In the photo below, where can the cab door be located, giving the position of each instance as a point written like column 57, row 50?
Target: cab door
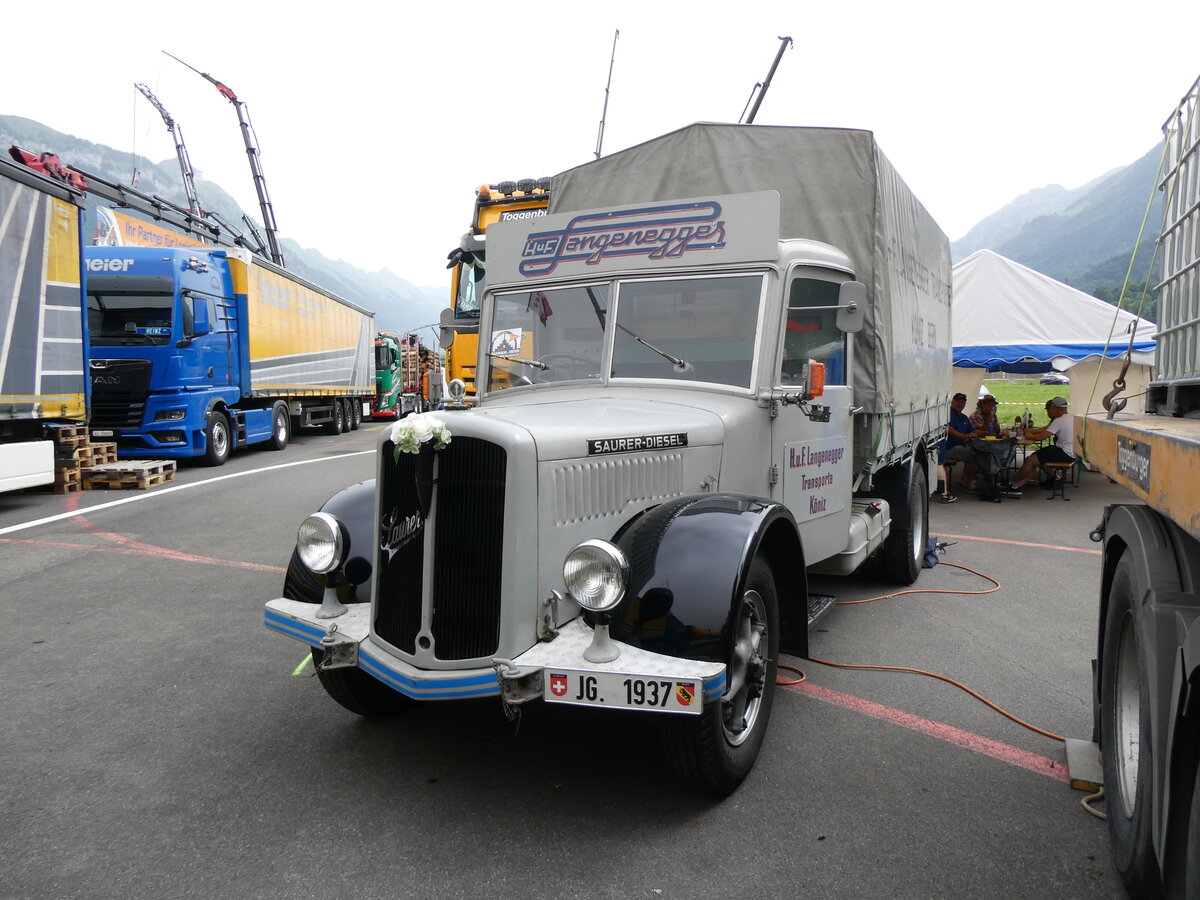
column 814, row 459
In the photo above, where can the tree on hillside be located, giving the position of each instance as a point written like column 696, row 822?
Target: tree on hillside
column 1134, row 302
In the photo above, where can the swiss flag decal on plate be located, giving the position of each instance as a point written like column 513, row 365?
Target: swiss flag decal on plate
column 558, row 685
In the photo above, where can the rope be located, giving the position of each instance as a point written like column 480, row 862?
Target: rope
column 1086, row 802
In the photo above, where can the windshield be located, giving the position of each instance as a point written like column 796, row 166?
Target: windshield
column 129, row 318
column 471, row 282
column 688, row 329
column 547, row 336
column 383, row 356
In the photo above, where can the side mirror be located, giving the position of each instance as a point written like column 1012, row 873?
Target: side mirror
column 446, row 330
column 852, row 307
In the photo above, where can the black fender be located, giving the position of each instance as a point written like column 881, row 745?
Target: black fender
column 689, row 560
column 354, row 507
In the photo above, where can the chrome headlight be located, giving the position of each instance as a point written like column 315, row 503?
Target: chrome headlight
column 321, row 542
column 595, row 573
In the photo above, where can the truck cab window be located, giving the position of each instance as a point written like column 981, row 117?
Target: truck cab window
column 813, row 333
column 708, row 324
column 538, row 337
column 471, row 282
column 118, row 319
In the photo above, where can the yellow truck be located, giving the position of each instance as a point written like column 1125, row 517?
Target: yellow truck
column 506, row 201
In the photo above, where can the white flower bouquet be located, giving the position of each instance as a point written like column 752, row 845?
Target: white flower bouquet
column 412, row 433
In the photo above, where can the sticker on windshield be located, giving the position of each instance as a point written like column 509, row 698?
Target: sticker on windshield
column 506, row 342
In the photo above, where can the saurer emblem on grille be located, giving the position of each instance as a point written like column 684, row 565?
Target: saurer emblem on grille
column 397, row 530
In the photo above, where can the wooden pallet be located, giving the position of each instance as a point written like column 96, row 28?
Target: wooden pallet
column 66, row 435
column 129, row 475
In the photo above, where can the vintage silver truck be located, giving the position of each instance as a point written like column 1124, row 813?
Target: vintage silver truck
column 627, row 517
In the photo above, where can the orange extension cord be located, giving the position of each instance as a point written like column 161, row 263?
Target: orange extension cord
column 959, row 685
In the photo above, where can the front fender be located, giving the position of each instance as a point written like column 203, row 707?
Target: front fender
column 354, row 507
column 689, row 561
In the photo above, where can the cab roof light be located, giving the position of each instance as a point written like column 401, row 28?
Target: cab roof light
column 507, row 188
column 543, row 183
column 526, row 185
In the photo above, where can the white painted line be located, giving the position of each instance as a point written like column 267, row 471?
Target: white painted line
column 88, row 510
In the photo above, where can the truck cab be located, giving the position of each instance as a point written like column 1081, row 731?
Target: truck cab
column 161, row 351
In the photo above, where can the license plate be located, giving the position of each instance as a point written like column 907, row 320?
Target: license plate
column 102, row 434
column 618, row 691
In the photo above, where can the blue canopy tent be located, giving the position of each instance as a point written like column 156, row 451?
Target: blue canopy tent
column 1007, row 317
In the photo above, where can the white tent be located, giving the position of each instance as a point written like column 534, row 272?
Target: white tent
column 1007, row 316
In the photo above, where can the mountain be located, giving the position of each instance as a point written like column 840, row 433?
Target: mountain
column 398, row 305
column 1088, row 240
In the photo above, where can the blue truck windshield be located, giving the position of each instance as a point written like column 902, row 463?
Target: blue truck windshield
column 129, row 319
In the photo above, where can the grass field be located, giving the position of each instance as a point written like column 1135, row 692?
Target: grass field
column 1024, row 392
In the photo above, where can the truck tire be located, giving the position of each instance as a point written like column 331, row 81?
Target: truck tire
column 338, row 423
column 1125, row 738
column 359, row 692
column 904, row 550
column 281, row 427
column 714, row 751
column 1191, row 877
column 216, row 439
column 355, row 413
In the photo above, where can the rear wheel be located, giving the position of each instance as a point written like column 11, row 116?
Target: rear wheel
column 355, row 413
column 904, row 550
column 338, row 423
column 716, row 750
column 281, row 427
column 1125, row 739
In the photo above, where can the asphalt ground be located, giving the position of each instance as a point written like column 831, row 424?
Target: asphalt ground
column 157, row 743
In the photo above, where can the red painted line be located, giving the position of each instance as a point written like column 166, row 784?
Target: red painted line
column 967, row 537
column 144, row 550
column 1015, row 756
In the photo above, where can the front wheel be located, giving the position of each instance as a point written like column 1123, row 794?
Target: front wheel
column 1125, row 739
column 1191, row 878
column 716, row 750
column 359, row 692
column 216, row 439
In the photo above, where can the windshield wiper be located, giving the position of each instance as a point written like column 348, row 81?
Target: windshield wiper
column 682, row 364
column 524, row 362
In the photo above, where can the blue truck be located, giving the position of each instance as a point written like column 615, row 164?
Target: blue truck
column 198, row 350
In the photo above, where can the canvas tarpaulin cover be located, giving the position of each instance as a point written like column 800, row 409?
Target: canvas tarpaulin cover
column 835, row 187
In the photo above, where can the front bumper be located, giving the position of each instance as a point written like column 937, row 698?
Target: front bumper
column 347, row 641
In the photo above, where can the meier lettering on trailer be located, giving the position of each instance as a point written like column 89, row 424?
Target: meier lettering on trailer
column 598, row 446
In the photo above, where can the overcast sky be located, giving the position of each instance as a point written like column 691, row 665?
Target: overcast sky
column 376, row 120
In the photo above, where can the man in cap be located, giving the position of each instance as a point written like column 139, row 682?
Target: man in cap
column 984, row 418
column 1062, row 428
column 954, row 448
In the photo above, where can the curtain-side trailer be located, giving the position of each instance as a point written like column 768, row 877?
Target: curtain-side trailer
column 42, row 340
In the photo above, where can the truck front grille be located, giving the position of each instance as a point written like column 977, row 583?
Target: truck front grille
column 119, row 391
column 462, row 605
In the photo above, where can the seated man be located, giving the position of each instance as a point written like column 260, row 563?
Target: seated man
column 954, row 448
column 1062, row 428
column 984, row 419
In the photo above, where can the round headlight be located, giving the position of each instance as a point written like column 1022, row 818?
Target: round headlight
column 595, row 573
column 321, row 542
column 457, row 389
